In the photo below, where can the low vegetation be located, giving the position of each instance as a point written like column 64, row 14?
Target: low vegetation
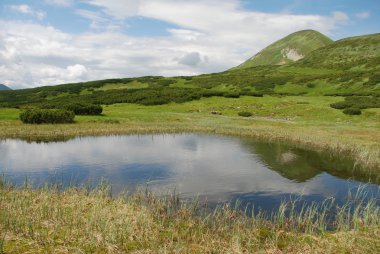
column 78, row 108
column 51, row 220
column 53, row 116
column 359, row 102
column 352, row 111
column 293, row 103
column 245, row 113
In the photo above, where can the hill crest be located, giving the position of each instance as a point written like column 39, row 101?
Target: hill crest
column 289, row 49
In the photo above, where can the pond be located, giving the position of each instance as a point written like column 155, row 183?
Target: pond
column 207, row 167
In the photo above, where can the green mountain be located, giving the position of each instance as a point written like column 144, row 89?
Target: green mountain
column 4, row 87
column 289, row 49
column 359, row 53
column 346, row 67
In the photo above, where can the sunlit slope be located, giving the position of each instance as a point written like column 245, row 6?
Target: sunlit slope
column 289, row 49
column 360, row 53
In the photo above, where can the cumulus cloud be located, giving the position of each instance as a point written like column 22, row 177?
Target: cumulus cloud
column 76, row 71
column 210, row 36
column 363, row 15
column 190, row 59
column 26, row 9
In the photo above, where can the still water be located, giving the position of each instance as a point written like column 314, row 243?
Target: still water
column 208, row 167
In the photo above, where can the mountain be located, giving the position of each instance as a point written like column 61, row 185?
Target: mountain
column 289, row 49
column 359, row 53
column 4, row 87
column 346, row 67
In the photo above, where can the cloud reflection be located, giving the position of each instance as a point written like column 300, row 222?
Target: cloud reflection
column 216, row 167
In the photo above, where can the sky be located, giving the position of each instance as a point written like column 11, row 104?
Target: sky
column 49, row 42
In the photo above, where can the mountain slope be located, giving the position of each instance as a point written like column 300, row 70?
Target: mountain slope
column 355, row 53
column 347, row 67
column 289, row 49
column 4, row 87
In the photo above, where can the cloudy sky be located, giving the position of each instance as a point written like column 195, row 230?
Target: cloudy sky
column 49, row 42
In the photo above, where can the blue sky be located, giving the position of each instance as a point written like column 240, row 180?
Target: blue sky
column 49, row 42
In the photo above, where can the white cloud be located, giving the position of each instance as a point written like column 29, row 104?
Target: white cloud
column 363, row 15
column 76, row 71
column 210, row 36
column 118, row 9
column 190, row 59
column 26, row 9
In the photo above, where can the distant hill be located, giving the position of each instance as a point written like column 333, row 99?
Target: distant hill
column 359, row 53
column 289, row 49
column 346, row 67
column 4, row 87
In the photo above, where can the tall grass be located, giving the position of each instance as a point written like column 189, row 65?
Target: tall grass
column 52, row 220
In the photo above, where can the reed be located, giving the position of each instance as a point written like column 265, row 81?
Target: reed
column 55, row 220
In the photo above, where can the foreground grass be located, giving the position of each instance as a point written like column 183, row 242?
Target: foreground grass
column 82, row 221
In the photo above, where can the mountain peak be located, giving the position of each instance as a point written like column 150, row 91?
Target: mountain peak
column 4, row 87
column 288, row 49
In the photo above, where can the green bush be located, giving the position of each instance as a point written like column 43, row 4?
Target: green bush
column 38, row 116
column 231, row 94
column 84, row 108
column 352, row 111
column 254, row 94
column 245, row 114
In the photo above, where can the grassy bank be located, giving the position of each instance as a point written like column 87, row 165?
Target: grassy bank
column 305, row 121
column 82, row 221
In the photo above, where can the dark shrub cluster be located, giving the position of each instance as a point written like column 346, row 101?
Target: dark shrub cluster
column 352, row 111
column 245, row 114
column 84, row 108
column 231, row 94
column 360, row 102
column 39, row 116
column 254, row 94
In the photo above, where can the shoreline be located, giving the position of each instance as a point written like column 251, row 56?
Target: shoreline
column 366, row 155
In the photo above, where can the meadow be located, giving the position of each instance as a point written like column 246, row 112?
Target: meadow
column 301, row 103
column 307, row 121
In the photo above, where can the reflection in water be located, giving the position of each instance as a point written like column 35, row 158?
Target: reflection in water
column 216, row 168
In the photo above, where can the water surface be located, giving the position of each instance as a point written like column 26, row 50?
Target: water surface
column 213, row 168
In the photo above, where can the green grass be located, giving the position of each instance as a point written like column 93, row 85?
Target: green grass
column 78, row 220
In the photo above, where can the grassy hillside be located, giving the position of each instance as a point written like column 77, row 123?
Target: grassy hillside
column 346, row 67
column 4, row 87
column 289, row 49
column 360, row 53
column 289, row 103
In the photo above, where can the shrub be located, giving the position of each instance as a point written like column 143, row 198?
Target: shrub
column 231, row 94
column 84, row 108
column 245, row 114
column 352, row 111
column 38, row 116
column 254, row 94
column 341, row 105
